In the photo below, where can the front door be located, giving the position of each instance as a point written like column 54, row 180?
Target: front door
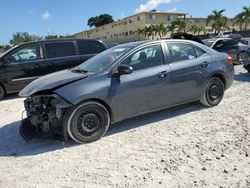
column 148, row 87
column 25, row 64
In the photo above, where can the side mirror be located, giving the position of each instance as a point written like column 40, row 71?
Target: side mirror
column 124, row 69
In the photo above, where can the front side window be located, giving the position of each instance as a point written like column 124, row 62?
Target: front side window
column 181, row 52
column 60, row 49
column 25, row 54
column 146, row 58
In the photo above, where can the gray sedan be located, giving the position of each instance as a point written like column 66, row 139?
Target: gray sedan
column 123, row 82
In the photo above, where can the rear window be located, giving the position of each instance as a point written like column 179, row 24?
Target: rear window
column 60, row 49
column 90, row 47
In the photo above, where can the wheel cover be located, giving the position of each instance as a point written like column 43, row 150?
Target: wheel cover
column 88, row 123
column 214, row 92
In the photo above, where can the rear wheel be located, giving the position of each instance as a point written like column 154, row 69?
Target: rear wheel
column 213, row 93
column 242, row 57
column 88, row 122
column 2, row 92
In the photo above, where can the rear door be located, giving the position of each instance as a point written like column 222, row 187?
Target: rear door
column 60, row 55
column 189, row 67
column 25, row 64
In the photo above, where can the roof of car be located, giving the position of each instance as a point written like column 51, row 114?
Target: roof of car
column 139, row 43
column 59, row 40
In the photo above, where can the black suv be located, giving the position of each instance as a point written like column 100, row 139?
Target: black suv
column 26, row 62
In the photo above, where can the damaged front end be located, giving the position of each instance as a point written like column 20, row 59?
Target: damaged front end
column 44, row 113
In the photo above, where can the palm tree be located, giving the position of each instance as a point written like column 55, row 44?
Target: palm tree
column 193, row 29
column 201, row 28
column 141, row 32
column 219, row 21
column 180, row 24
column 243, row 17
column 170, row 28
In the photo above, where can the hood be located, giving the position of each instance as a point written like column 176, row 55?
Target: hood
column 186, row 36
column 51, row 81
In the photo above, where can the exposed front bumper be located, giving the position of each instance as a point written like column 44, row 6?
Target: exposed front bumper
column 44, row 113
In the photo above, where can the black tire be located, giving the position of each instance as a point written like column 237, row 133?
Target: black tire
column 88, row 122
column 213, row 93
column 2, row 92
column 242, row 57
column 248, row 68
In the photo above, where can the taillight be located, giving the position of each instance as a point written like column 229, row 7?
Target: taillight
column 229, row 60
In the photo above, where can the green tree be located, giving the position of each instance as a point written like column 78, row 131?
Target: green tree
column 21, row 37
column 100, row 20
column 141, row 32
column 193, row 29
column 243, row 18
column 219, row 22
column 179, row 24
column 170, row 28
column 49, row 37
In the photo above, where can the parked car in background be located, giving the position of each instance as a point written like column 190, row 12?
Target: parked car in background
column 26, row 62
column 123, row 82
column 237, row 50
column 229, row 44
column 246, row 41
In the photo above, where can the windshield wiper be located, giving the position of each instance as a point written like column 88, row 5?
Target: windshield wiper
column 79, row 71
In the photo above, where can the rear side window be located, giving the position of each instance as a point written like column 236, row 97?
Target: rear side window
column 90, row 47
column 181, row 52
column 60, row 49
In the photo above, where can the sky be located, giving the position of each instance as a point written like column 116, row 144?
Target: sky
column 43, row 17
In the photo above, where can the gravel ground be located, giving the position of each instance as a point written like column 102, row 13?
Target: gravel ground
column 187, row 146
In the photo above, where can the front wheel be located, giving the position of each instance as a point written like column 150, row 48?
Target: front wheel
column 213, row 93
column 88, row 122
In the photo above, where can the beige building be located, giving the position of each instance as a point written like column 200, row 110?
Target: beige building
column 124, row 30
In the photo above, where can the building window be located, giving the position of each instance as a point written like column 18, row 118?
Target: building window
column 169, row 18
column 126, row 33
column 130, row 21
column 131, row 32
column 125, row 23
column 152, row 17
column 139, row 18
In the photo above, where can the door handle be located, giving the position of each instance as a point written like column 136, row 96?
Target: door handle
column 205, row 64
column 163, row 74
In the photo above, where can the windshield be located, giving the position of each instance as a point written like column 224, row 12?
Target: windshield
column 102, row 60
column 208, row 43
